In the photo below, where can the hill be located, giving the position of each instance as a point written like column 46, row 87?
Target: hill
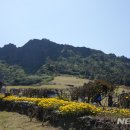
column 35, row 52
column 15, row 75
column 46, row 57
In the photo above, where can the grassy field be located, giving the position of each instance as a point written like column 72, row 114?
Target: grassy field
column 59, row 82
column 62, row 82
column 69, row 80
column 39, row 87
column 122, row 88
column 15, row 121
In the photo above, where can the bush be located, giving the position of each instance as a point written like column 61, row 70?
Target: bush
column 33, row 79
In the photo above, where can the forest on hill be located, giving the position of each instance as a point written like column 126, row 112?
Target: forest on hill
column 39, row 60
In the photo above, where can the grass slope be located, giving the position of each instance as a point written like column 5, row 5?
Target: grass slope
column 15, row 121
column 59, row 82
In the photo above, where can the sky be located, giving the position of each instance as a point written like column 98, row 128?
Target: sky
column 97, row 24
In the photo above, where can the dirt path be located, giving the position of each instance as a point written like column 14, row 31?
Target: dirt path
column 15, row 121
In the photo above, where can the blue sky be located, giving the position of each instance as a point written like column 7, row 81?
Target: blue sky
column 97, row 24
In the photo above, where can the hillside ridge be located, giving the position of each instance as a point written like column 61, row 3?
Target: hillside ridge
column 47, row 57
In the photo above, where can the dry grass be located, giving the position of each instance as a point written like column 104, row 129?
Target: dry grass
column 69, row 80
column 119, row 89
column 39, row 87
column 59, row 82
column 14, row 121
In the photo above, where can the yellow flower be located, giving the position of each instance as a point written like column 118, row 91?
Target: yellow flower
column 67, row 107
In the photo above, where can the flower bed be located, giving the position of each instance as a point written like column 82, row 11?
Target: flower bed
column 63, row 107
column 56, row 111
column 66, row 107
